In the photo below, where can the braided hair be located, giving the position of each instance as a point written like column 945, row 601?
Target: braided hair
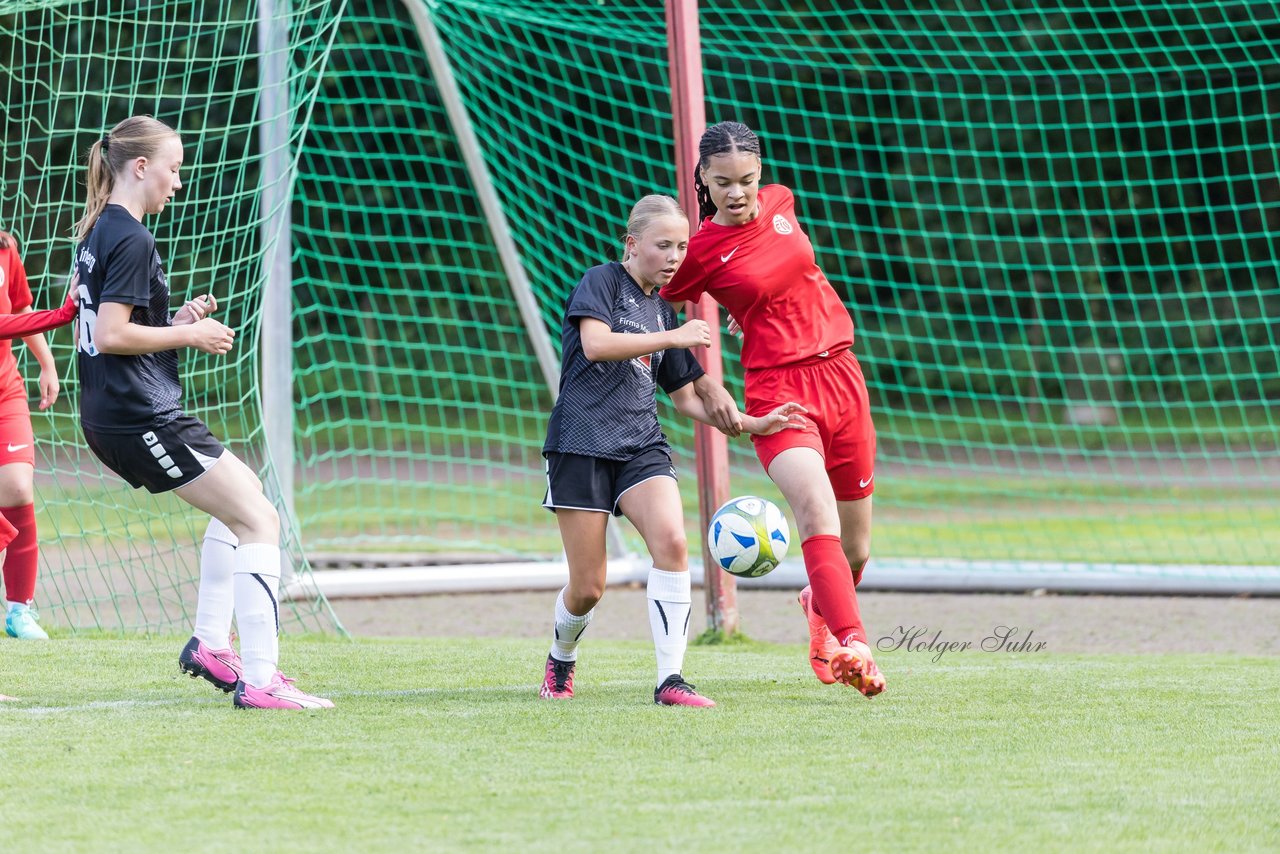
column 721, row 138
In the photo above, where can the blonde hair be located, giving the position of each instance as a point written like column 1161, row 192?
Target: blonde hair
column 645, row 211
column 136, row 136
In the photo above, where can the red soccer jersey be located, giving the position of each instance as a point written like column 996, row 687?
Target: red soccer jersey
column 765, row 274
column 15, row 295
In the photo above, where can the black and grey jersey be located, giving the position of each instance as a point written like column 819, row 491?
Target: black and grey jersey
column 118, row 262
column 608, row 409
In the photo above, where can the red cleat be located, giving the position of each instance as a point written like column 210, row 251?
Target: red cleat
column 557, row 681
column 822, row 644
column 853, row 666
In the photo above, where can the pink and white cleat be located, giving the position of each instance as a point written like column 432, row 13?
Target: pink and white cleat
column 222, row 667
column 674, row 691
column 278, row 694
column 557, row 680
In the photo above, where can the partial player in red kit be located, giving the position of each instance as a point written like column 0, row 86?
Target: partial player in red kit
column 17, row 441
column 752, row 256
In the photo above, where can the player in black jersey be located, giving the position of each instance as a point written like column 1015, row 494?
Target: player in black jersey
column 606, row 453
column 131, row 411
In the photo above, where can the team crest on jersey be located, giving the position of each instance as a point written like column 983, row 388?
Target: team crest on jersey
column 781, row 225
column 643, row 364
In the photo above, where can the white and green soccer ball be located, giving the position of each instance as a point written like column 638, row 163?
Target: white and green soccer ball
column 748, row 536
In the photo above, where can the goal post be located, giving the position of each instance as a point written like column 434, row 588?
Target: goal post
column 688, row 114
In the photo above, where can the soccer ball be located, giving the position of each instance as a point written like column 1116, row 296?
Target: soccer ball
column 748, row 536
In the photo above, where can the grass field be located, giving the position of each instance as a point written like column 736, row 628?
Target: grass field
column 443, row 744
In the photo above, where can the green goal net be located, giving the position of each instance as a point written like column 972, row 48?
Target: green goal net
column 1054, row 223
column 420, row 402
column 111, row 558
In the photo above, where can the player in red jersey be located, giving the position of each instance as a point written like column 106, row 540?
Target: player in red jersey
column 752, row 256
column 17, row 440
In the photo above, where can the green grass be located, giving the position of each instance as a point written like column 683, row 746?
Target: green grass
column 443, row 745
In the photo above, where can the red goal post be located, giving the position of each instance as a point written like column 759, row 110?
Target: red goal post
column 688, row 112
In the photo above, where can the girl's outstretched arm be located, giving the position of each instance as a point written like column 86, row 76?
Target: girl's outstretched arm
column 33, row 322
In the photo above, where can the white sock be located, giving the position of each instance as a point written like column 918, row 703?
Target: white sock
column 670, row 605
column 568, row 630
column 216, row 601
column 257, row 586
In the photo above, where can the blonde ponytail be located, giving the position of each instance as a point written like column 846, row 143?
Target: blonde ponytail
column 136, row 136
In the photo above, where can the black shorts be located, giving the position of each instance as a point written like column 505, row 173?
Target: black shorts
column 592, row 483
column 160, row 459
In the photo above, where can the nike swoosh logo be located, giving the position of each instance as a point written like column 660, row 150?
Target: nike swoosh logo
column 13, row 448
column 824, row 354
column 862, row 484
column 725, row 258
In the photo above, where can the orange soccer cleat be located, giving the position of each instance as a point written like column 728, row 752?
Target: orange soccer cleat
column 822, row 644
column 852, row 665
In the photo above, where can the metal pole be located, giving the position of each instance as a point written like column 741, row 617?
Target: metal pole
column 688, row 111
column 277, row 291
column 469, row 146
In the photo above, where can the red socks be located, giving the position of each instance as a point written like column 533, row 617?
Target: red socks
column 831, row 578
column 22, row 554
column 7, row 532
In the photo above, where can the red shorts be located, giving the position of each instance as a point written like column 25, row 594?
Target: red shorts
column 838, row 424
column 17, row 442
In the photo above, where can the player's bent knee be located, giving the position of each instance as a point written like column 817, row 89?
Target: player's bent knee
column 255, row 521
column 815, row 514
column 269, row 522
column 671, row 552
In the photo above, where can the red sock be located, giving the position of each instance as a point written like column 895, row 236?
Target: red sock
column 7, row 533
column 22, row 555
column 832, row 583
